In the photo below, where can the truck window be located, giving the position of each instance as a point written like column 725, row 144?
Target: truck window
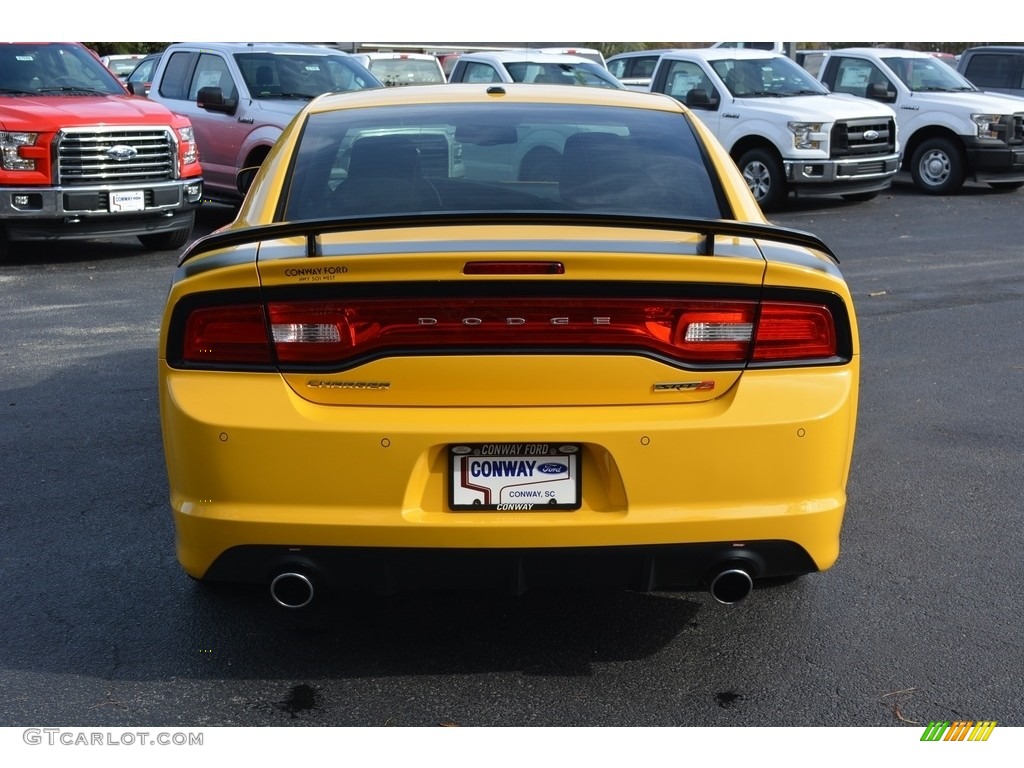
column 685, row 76
column 644, row 67
column 174, row 82
column 480, row 73
column 993, row 71
column 212, row 72
column 853, row 76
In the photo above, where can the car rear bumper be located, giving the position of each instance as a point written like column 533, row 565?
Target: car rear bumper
column 766, row 461
column 387, row 570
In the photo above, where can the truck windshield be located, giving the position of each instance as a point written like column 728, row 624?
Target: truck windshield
column 927, row 74
column 53, row 68
column 772, row 76
column 301, row 75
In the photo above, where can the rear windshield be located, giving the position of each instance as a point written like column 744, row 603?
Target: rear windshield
column 520, row 158
column 406, row 71
column 123, row 67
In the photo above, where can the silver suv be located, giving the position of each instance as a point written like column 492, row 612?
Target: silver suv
column 240, row 96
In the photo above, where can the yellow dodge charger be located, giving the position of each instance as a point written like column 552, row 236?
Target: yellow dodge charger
column 504, row 336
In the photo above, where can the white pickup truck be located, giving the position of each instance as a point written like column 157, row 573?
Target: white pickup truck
column 785, row 131
column 949, row 129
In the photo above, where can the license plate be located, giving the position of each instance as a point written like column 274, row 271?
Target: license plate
column 133, row 200
column 514, row 477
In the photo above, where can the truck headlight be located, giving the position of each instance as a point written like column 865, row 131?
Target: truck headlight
column 188, row 142
column 806, row 135
column 10, row 143
column 992, row 126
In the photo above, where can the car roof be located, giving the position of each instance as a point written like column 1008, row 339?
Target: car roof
column 997, row 48
column 261, row 48
column 719, row 54
column 885, row 52
column 523, row 54
column 567, row 49
column 485, row 93
column 122, row 57
column 395, row 55
column 646, row 52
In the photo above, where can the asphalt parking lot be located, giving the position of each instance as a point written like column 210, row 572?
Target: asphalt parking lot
column 918, row 621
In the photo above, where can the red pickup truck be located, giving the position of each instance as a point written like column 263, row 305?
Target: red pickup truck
column 81, row 158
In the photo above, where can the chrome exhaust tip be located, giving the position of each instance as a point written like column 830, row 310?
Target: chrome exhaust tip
column 731, row 585
column 291, row 590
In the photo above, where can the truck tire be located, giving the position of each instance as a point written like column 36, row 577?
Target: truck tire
column 763, row 174
column 937, row 167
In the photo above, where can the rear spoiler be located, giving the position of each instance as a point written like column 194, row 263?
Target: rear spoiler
column 311, row 229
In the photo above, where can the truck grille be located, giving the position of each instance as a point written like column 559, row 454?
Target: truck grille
column 1015, row 128
column 85, row 156
column 866, row 168
column 871, row 136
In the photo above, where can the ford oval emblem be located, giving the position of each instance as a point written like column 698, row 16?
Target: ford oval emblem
column 551, row 468
column 871, row 135
column 122, row 152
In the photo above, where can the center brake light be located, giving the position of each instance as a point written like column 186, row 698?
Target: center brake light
column 340, row 333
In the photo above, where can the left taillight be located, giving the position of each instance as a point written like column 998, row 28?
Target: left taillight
column 226, row 335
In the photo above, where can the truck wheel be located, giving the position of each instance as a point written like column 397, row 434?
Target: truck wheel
column 763, row 174
column 166, row 241
column 937, row 167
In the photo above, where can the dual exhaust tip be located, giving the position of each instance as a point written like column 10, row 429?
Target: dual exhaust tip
column 729, row 585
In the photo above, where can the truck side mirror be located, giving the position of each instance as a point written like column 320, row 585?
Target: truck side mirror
column 881, row 92
column 697, row 98
column 212, row 98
